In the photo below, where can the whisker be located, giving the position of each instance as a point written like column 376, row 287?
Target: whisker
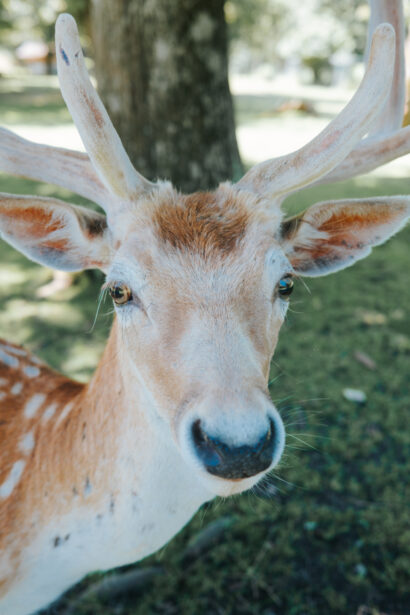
column 303, row 442
column 303, row 281
column 282, row 480
column 101, row 298
column 278, row 401
column 313, row 435
column 274, row 379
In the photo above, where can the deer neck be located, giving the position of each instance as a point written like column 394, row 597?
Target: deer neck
column 106, row 474
column 134, row 446
column 104, row 482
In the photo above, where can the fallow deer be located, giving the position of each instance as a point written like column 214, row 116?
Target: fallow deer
column 101, row 475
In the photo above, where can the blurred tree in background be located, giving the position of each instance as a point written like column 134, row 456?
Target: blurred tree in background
column 162, row 67
column 162, row 71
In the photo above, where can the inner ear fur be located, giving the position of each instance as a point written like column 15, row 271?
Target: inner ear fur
column 55, row 233
column 330, row 236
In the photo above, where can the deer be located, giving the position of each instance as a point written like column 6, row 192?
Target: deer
column 99, row 475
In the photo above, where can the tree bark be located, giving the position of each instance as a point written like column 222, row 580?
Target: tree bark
column 162, row 72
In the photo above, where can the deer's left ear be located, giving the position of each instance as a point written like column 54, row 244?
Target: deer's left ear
column 55, row 233
column 331, row 236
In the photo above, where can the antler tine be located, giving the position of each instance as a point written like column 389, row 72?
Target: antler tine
column 288, row 173
column 54, row 165
column 370, row 154
column 391, row 117
column 99, row 136
column 385, row 141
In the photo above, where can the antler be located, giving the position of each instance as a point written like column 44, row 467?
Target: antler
column 99, row 136
column 63, row 167
column 391, row 117
column 385, row 140
column 288, row 173
column 106, row 171
column 370, row 154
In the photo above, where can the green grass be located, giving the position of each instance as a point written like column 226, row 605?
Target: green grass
column 32, row 100
column 329, row 533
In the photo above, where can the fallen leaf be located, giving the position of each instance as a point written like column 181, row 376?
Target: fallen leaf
column 398, row 314
column 372, row 318
column 355, row 395
column 400, row 342
column 364, row 359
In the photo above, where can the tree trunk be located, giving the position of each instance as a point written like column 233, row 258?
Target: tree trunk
column 162, row 72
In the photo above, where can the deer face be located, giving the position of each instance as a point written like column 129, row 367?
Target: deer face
column 201, row 277
column 200, row 281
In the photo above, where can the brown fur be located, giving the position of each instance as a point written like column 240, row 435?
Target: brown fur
column 61, row 465
column 345, row 232
column 33, row 221
column 202, row 225
column 350, row 221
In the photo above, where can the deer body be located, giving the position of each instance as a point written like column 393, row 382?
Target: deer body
column 101, row 475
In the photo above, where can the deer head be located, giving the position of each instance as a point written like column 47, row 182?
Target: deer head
column 200, row 282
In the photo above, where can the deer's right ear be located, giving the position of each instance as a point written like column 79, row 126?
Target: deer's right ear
column 330, row 236
column 55, row 233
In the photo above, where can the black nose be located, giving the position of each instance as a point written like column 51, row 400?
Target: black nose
column 233, row 462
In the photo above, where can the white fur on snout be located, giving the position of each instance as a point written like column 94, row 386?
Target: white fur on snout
column 244, row 435
column 235, row 419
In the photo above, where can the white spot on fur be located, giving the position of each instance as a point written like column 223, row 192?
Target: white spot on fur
column 18, row 351
column 33, row 405
column 2, row 395
column 13, row 478
column 16, row 388
column 49, row 412
column 65, row 412
column 31, row 371
column 8, row 360
column 27, row 443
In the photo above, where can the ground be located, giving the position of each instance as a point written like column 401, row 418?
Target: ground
column 328, row 533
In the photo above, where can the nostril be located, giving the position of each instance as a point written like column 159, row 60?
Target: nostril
column 234, row 462
column 205, row 446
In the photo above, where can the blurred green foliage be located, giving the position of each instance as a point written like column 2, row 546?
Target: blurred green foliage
column 261, row 31
column 35, row 19
column 4, row 17
column 275, row 31
column 270, row 30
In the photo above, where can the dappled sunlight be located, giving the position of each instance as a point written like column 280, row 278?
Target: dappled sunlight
column 52, row 313
column 263, row 131
column 81, row 358
column 12, row 275
column 58, row 329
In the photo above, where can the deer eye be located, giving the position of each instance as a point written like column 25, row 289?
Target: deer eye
column 120, row 293
column 285, row 287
